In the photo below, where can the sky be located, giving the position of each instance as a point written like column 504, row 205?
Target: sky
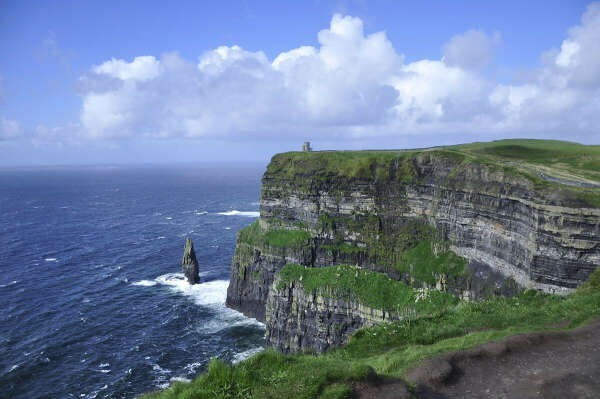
column 97, row 82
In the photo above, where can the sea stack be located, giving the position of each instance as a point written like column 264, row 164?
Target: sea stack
column 189, row 264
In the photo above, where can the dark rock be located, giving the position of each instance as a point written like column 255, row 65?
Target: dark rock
column 189, row 264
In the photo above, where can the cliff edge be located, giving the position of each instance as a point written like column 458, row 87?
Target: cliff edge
column 468, row 222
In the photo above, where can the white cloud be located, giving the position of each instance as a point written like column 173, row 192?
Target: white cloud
column 564, row 95
column 352, row 85
column 141, row 68
column 471, row 50
column 9, row 129
column 430, row 90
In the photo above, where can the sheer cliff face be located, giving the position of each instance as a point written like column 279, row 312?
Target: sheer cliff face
column 298, row 320
column 514, row 230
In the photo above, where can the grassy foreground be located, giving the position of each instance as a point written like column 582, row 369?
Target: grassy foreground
column 389, row 349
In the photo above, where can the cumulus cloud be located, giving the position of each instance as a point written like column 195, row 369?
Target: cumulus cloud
column 141, row 68
column 471, row 50
column 353, row 85
column 564, row 95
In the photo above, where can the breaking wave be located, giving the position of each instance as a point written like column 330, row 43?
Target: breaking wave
column 252, row 214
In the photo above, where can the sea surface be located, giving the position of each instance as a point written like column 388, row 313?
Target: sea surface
column 92, row 300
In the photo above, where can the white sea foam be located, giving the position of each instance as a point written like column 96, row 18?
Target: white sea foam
column 169, row 218
column 201, row 213
column 180, row 379
column 191, row 367
column 211, row 294
column 104, row 365
column 234, row 212
column 50, row 259
column 227, row 228
column 246, row 354
column 8, row 284
column 159, row 369
column 104, row 371
column 145, row 283
column 160, row 237
column 14, row 367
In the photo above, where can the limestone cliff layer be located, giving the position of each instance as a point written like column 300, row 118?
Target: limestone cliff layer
column 380, row 211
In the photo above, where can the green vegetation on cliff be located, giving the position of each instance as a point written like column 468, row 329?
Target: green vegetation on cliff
column 572, row 168
column 422, row 263
column 564, row 156
column 411, row 247
column 283, row 238
column 366, row 287
column 390, row 349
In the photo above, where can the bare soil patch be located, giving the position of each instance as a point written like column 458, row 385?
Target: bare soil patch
column 536, row 365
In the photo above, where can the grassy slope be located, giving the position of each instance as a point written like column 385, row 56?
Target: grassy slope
column 389, row 349
column 562, row 156
column 524, row 158
column 580, row 160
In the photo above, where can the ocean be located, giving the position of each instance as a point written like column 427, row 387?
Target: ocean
column 94, row 304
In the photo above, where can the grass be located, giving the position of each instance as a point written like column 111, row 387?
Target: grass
column 287, row 238
column 369, row 288
column 271, row 375
column 406, row 247
column 520, row 159
column 379, row 165
column 582, row 160
column 424, row 265
column 282, row 238
column 389, row 349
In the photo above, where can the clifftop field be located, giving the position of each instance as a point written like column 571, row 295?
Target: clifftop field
column 365, row 263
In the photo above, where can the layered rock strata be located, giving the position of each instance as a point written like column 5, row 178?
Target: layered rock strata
column 299, row 321
column 514, row 231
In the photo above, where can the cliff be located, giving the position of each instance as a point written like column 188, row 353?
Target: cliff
column 472, row 221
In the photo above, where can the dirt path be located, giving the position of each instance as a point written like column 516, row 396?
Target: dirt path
column 536, row 365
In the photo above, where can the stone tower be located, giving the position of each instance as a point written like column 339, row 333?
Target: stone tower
column 306, row 147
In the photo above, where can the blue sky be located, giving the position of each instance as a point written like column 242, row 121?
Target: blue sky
column 106, row 82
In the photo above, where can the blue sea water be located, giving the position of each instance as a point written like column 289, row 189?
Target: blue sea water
column 93, row 304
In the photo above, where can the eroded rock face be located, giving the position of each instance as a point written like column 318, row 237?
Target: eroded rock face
column 514, row 234
column 189, row 264
column 298, row 321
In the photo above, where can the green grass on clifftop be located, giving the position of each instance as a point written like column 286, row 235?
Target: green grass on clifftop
column 561, row 155
column 353, row 164
column 521, row 159
column 390, row 349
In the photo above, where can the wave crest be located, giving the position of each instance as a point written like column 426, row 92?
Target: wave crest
column 252, row 214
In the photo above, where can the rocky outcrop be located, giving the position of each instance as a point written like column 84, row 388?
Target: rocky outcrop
column 298, row 320
column 189, row 264
column 255, row 268
column 513, row 230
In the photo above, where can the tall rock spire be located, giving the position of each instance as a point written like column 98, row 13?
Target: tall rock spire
column 189, row 264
